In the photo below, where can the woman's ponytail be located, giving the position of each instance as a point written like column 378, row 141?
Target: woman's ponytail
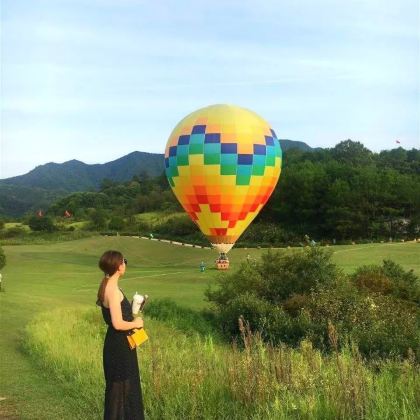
column 109, row 264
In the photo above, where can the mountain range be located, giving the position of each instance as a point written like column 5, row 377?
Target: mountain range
column 40, row 187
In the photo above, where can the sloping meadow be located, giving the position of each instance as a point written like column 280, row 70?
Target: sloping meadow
column 191, row 376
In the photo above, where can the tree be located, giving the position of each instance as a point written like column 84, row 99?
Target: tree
column 116, row 223
column 352, row 152
column 42, row 224
column 98, row 219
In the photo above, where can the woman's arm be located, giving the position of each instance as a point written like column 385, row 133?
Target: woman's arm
column 116, row 316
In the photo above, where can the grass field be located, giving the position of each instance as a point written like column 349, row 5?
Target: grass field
column 41, row 278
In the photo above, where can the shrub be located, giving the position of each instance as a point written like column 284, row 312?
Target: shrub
column 13, row 232
column 98, row 219
column 291, row 297
column 179, row 226
column 372, row 279
column 41, row 224
column 116, row 223
column 390, row 278
column 295, row 304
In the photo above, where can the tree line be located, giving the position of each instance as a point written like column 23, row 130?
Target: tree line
column 344, row 193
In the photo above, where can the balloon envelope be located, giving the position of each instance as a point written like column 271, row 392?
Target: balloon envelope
column 223, row 163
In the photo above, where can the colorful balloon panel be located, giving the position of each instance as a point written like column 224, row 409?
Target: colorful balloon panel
column 223, row 163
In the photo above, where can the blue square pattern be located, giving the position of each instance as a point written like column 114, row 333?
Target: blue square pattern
column 259, row 149
column 245, row 159
column 184, row 139
column 269, row 141
column 199, row 129
column 273, row 133
column 166, row 162
column 172, row 151
column 212, row 138
column 229, row 148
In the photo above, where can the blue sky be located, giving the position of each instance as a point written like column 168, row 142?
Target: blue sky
column 96, row 79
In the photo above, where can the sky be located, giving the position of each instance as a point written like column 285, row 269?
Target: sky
column 94, row 80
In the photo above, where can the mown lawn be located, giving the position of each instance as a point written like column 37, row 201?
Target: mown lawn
column 40, row 278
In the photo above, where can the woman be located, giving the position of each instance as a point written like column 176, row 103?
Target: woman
column 123, row 398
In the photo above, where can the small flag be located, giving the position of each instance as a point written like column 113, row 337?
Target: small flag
column 397, row 141
column 40, row 213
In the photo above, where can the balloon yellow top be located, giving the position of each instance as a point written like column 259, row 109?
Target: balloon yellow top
column 223, row 163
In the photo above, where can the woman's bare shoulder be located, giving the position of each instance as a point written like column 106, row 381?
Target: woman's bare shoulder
column 110, row 292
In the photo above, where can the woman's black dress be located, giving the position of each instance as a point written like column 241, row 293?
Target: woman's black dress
column 123, row 398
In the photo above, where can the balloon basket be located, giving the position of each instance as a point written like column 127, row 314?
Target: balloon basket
column 222, row 264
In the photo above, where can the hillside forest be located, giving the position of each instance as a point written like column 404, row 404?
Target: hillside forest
column 340, row 194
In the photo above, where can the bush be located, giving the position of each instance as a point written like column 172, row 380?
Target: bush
column 372, row 279
column 98, row 219
column 181, row 318
column 178, row 226
column 41, row 224
column 13, row 232
column 116, row 223
column 390, row 278
column 291, row 297
column 278, row 276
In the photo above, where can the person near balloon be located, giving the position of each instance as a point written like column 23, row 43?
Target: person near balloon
column 123, row 395
column 202, row 267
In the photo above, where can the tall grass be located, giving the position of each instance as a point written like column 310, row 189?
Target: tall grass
column 193, row 377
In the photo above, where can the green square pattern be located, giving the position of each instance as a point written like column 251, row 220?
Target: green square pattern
column 243, row 179
column 196, row 149
column 212, row 159
column 270, row 160
column 258, row 170
column 182, row 160
column 228, row 169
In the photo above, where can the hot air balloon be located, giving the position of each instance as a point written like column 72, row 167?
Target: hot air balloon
column 223, row 163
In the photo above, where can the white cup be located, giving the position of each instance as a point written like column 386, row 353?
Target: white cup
column 137, row 303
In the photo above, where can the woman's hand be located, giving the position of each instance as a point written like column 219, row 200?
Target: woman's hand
column 138, row 323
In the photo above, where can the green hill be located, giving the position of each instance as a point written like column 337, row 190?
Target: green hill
column 43, row 185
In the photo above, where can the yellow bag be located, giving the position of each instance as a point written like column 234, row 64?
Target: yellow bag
column 136, row 337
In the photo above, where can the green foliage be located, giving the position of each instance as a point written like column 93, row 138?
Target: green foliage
column 348, row 193
column 178, row 226
column 12, row 232
column 291, row 297
column 380, row 325
column 1, row 224
column 187, row 376
column 390, row 278
column 42, row 224
column 2, row 258
column 98, row 219
column 181, row 318
column 116, row 223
